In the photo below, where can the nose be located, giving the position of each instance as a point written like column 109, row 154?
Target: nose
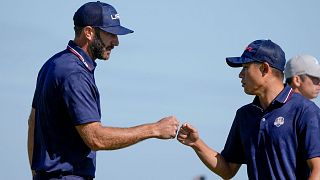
column 241, row 74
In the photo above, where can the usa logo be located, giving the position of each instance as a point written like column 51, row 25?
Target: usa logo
column 116, row 16
column 279, row 121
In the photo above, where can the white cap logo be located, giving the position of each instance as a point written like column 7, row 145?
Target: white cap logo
column 116, row 16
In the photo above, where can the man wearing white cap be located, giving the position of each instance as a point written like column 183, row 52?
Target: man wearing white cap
column 302, row 73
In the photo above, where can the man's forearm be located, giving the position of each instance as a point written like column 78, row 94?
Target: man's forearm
column 116, row 138
column 314, row 165
column 315, row 175
column 98, row 137
column 214, row 161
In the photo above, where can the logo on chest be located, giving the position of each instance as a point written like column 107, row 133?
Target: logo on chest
column 278, row 121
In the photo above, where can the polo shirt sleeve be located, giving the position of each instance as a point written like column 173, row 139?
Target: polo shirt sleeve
column 309, row 132
column 233, row 150
column 81, row 98
column 36, row 95
column 35, row 98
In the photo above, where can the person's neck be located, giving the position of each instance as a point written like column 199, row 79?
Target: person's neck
column 271, row 91
column 84, row 46
column 306, row 95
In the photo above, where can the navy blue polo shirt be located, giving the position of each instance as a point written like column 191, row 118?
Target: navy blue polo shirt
column 66, row 96
column 275, row 143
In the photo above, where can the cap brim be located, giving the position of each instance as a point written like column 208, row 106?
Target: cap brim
column 315, row 73
column 118, row 30
column 238, row 61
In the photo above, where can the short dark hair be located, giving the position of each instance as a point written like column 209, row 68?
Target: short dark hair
column 276, row 72
column 77, row 30
column 302, row 76
column 289, row 80
column 279, row 74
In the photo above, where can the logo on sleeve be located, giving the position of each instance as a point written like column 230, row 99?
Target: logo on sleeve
column 279, row 121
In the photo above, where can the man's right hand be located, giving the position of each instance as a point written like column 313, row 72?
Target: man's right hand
column 167, row 128
column 188, row 135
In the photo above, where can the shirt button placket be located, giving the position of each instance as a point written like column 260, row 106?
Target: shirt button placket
column 262, row 129
column 262, row 124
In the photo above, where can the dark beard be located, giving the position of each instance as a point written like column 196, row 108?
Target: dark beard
column 96, row 47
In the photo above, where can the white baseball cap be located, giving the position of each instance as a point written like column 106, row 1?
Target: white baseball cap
column 302, row 64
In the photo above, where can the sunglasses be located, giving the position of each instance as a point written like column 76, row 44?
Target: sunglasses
column 315, row 80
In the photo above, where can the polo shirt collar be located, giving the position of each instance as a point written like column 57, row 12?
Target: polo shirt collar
column 285, row 94
column 282, row 98
column 83, row 57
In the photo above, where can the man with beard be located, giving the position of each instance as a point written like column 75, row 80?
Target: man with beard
column 65, row 129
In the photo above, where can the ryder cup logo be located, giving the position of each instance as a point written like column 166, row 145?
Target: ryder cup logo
column 279, row 121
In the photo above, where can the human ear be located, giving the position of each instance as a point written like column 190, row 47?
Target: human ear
column 296, row 81
column 264, row 68
column 88, row 32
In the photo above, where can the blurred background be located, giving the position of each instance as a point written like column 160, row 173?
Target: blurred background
column 173, row 64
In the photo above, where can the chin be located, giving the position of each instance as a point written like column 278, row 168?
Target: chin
column 105, row 58
column 248, row 92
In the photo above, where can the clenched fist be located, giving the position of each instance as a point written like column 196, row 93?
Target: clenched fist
column 167, row 128
column 188, row 135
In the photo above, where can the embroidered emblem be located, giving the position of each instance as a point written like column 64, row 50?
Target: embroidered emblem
column 249, row 49
column 279, row 121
